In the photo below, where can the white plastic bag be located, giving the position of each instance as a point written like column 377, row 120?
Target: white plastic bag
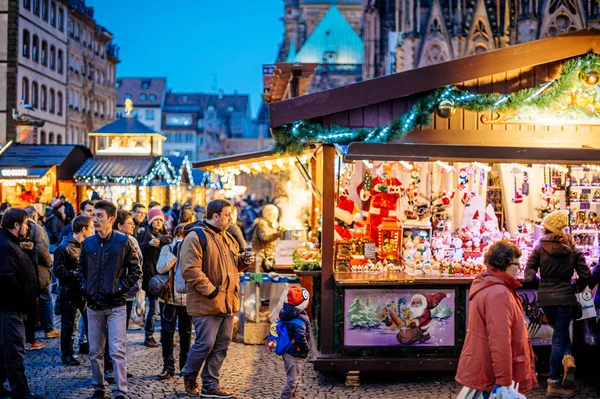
column 586, row 300
column 469, row 393
column 511, row 392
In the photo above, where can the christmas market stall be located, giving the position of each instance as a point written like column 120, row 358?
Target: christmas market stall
column 422, row 170
column 286, row 243
column 189, row 188
column 128, row 165
column 32, row 174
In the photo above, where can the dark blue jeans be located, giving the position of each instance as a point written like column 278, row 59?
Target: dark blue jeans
column 152, row 311
column 46, row 309
column 560, row 318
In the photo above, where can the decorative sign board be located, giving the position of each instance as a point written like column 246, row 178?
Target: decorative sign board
column 284, row 249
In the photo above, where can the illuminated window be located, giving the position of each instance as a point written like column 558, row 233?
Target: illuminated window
column 179, row 120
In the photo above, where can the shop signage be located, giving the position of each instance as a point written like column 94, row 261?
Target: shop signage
column 14, row 172
column 284, row 251
column 399, row 317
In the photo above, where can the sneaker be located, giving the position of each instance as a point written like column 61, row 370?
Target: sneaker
column 54, row 333
column 191, row 387
column 216, row 393
column 84, row 348
column 36, row 345
column 98, row 395
column 555, row 390
column 150, row 342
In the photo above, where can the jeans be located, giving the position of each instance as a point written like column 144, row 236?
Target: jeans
column 293, row 369
column 30, row 319
column 213, row 336
column 150, row 323
column 98, row 322
column 170, row 316
column 560, row 318
column 69, row 307
column 46, row 310
column 12, row 352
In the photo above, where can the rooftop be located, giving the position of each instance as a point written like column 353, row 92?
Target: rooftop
column 333, row 41
column 145, row 92
column 40, row 155
column 125, row 125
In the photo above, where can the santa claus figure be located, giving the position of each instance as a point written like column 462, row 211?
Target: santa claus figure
column 384, row 200
column 420, row 310
column 346, row 211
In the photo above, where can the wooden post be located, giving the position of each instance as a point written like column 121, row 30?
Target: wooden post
column 327, row 244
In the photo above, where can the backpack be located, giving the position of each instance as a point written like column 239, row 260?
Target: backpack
column 180, row 285
column 278, row 340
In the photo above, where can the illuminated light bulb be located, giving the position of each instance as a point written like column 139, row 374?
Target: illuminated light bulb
column 280, row 163
column 291, row 161
column 268, row 165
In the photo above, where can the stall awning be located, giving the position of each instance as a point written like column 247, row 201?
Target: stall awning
column 126, row 171
column 448, row 152
column 235, row 160
column 37, row 159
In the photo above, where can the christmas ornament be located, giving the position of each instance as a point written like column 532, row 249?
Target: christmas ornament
column 463, row 179
column 447, row 198
column 414, row 176
column 525, row 185
column 589, row 76
column 445, row 109
column 518, row 194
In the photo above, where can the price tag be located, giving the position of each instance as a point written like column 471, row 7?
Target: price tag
column 284, row 250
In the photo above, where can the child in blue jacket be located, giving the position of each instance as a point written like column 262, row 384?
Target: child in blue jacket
column 297, row 301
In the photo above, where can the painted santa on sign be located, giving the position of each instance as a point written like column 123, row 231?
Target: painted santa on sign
column 420, row 308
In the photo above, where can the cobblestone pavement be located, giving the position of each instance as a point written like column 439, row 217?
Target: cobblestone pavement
column 249, row 370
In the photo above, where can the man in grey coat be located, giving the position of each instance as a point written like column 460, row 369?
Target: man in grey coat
column 40, row 241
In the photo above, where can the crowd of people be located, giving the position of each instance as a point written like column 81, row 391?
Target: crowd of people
column 103, row 260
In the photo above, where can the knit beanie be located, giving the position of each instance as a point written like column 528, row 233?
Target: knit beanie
column 556, row 221
column 298, row 297
column 154, row 214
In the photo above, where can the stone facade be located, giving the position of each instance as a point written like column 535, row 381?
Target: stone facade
column 32, row 69
column 92, row 95
column 426, row 32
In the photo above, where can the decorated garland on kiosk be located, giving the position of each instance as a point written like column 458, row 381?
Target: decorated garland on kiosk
column 290, row 138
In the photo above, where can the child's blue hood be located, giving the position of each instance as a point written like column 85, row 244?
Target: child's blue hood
column 289, row 312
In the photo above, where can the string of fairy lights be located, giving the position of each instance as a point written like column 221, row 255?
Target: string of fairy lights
column 291, row 138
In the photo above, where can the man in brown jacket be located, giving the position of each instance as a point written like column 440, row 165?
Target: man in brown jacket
column 210, row 267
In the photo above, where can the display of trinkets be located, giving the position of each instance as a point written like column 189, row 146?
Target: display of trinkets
column 596, row 197
column 573, row 196
column 584, row 181
column 584, row 197
column 596, row 180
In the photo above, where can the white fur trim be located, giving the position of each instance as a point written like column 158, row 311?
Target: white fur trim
column 392, row 213
column 375, row 211
column 343, row 215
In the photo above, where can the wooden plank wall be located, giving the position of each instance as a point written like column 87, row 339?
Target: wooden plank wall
column 466, row 127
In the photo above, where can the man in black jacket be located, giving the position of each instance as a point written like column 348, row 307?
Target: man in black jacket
column 18, row 284
column 108, row 268
column 66, row 261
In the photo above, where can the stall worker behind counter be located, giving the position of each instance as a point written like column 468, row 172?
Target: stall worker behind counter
column 266, row 233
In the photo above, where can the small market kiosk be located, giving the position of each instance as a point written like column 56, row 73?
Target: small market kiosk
column 292, row 182
column 189, row 188
column 128, row 164
column 434, row 165
column 34, row 174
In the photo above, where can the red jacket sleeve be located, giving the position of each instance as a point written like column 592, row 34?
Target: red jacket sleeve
column 499, row 319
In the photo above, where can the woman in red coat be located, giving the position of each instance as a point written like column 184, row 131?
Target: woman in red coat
column 497, row 348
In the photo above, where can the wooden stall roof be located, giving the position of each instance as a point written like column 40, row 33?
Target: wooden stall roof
column 419, row 80
column 447, row 152
column 234, row 160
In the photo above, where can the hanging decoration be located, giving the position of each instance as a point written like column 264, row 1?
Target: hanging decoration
column 525, row 185
column 290, row 138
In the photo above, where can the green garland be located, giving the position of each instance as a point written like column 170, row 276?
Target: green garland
column 290, row 138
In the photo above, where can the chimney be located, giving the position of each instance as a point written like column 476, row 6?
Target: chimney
column 27, row 127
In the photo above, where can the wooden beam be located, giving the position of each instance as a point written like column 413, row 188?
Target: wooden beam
column 327, row 250
column 436, row 76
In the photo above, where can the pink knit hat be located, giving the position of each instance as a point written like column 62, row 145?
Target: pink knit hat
column 154, row 214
